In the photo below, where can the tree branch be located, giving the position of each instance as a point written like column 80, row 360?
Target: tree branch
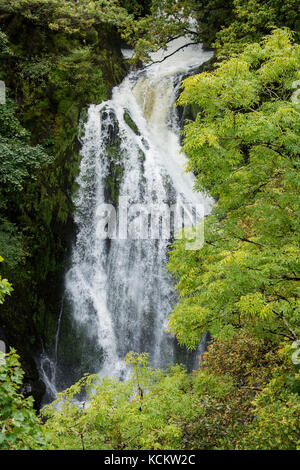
column 172, row 53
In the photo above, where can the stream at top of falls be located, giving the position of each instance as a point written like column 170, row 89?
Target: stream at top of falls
column 118, row 293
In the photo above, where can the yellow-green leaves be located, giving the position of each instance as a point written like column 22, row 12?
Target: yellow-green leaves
column 141, row 413
column 233, row 84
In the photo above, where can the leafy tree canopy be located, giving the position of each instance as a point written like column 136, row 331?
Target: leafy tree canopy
column 18, row 158
column 244, row 149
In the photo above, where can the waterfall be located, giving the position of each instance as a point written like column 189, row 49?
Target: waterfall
column 118, row 293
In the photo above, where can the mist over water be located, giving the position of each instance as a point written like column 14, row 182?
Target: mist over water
column 118, row 291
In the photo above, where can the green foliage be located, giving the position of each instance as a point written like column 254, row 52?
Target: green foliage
column 19, row 163
column 166, row 21
column 244, row 149
column 276, row 409
column 276, row 424
column 55, row 58
column 11, row 244
column 239, row 390
column 140, row 413
column 242, row 285
column 243, row 146
column 20, row 427
column 69, row 17
column 137, row 7
column 78, row 73
column 18, row 158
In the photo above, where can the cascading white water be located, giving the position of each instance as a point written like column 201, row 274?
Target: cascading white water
column 119, row 289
